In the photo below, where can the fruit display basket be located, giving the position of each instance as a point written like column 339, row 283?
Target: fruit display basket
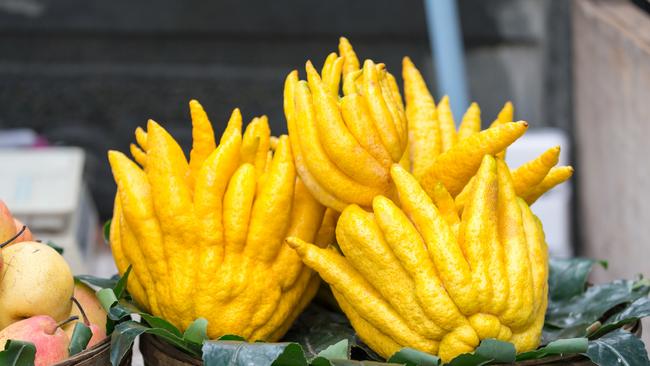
column 418, row 233
column 99, row 355
column 156, row 352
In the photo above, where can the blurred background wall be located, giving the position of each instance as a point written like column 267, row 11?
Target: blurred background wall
column 87, row 73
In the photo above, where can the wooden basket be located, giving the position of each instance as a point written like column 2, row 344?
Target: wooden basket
column 99, row 355
column 159, row 353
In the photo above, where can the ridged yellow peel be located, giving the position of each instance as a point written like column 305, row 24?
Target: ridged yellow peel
column 344, row 146
column 414, row 274
column 206, row 238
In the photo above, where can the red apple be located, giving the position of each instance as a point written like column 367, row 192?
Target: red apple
column 43, row 331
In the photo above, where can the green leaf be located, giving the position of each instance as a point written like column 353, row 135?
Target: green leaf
column 292, row 355
column 637, row 310
column 126, row 332
column 559, row 347
column 231, row 337
column 106, row 298
column 339, row 350
column 156, row 322
column 489, row 351
column 18, row 353
column 568, row 277
column 234, row 353
column 317, row 328
column 80, row 337
column 96, row 281
column 584, row 309
column 618, row 348
column 107, row 230
column 412, row 357
column 53, row 245
column 120, row 286
column 197, row 332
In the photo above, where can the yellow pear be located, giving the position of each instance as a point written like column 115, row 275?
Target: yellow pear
column 35, row 280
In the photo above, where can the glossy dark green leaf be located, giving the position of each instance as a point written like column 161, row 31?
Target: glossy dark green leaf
column 413, row 357
column 96, row 281
column 568, row 277
column 489, row 351
column 618, row 348
column 80, row 337
column 120, row 286
column 231, row 337
column 317, row 328
column 559, row 347
column 156, row 322
column 197, row 332
column 637, row 310
column 18, row 353
column 292, row 355
column 106, row 230
column 234, row 353
column 126, row 332
column 590, row 306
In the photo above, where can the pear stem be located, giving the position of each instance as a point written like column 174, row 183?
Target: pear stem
column 64, row 322
column 4, row 244
column 81, row 310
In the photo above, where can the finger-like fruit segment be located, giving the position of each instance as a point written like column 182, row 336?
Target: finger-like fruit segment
column 533, row 172
column 471, row 122
column 456, row 166
column 448, row 135
column 350, row 60
column 423, row 128
column 379, row 110
column 202, row 138
column 555, row 176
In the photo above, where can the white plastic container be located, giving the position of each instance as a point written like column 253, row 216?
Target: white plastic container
column 44, row 188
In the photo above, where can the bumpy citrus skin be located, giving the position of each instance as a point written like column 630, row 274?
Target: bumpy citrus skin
column 205, row 238
column 415, row 274
column 440, row 154
column 344, row 146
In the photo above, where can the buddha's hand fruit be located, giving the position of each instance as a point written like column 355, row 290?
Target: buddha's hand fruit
column 415, row 274
column 205, row 238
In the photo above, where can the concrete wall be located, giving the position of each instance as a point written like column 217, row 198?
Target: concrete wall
column 87, row 73
column 612, row 109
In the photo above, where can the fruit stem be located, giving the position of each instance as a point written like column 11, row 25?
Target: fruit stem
column 4, row 244
column 81, row 310
column 64, row 322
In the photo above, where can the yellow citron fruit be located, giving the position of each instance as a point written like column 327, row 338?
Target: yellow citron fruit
column 413, row 275
column 205, row 238
column 440, row 153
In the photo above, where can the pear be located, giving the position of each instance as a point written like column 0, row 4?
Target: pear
column 90, row 312
column 50, row 340
column 7, row 227
column 35, row 280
